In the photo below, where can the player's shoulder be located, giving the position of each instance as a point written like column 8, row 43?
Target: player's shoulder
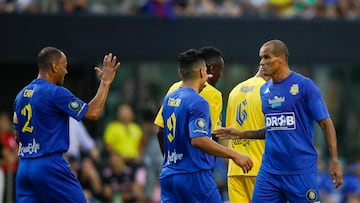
column 198, row 100
column 174, row 86
column 300, row 77
column 210, row 90
column 302, row 80
column 253, row 81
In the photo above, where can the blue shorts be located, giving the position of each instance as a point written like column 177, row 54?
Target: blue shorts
column 47, row 179
column 190, row 187
column 272, row 188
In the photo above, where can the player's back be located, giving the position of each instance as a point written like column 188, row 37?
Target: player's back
column 180, row 108
column 39, row 121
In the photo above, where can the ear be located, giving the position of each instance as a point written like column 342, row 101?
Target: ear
column 54, row 67
column 203, row 72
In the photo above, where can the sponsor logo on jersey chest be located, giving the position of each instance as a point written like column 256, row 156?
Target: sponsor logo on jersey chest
column 280, row 121
column 277, row 101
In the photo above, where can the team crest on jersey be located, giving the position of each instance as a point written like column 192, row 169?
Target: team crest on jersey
column 311, row 195
column 200, row 123
column 74, row 105
column 294, row 89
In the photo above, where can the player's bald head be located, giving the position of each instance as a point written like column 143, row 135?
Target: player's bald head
column 278, row 47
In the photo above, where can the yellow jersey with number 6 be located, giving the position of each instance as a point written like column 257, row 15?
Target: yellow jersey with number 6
column 244, row 112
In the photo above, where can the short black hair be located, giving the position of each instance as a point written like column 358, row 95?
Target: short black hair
column 187, row 61
column 211, row 54
column 47, row 56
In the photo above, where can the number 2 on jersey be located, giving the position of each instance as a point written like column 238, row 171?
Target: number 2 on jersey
column 171, row 125
column 27, row 111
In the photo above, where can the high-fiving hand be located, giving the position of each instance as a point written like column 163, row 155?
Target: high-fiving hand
column 110, row 66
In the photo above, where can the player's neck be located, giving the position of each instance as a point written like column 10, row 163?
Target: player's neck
column 192, row 84
column 45, row 76
column 282, row 75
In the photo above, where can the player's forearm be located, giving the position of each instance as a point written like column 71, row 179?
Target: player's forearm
column 255, row 134
column 249, row 134
column 160, row 136
column 211, row 147
column 330, row 137
column 233, row 133
column 96, row 105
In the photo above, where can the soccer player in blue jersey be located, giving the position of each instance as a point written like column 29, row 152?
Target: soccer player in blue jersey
column 41, row 118
column 188, row 145
column 291, row 104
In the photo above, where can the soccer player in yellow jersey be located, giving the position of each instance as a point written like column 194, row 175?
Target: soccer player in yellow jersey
column 215, row 64
column 244, row 112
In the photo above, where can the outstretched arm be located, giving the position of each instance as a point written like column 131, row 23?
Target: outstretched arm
column 232, row 133
column 329, row 132
column 106, row 76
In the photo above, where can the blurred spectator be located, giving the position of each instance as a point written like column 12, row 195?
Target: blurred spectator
column 123, row 136
column 184, row 7
column 90, row 180
column 152, row 158
column 7, row 6
column 28, row 6
column 253, row 8
column 349, row 9
column 130, row 7
column 162, row 9
column 330, row 7
column 229, row 8
column 205, row 8
column 119, row 182
column 282, row 8
column 9, row 156
column 75, row 6
column 122, row 7
column 81, row 143
column 81, row 155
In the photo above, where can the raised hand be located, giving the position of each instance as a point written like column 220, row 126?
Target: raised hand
column 110, row 66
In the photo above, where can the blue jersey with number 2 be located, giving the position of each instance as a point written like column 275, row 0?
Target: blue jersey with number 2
column 41, row 117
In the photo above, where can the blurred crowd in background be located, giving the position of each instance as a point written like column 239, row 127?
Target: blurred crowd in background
column 170, row 9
